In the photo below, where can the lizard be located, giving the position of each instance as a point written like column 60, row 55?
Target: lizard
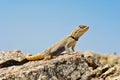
column 65, row 44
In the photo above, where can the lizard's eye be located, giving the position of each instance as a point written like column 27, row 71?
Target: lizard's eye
column 82, row 27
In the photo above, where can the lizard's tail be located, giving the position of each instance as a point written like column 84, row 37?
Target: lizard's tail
column 35, row 57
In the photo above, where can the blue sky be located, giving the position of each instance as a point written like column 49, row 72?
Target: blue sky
column 33, row 25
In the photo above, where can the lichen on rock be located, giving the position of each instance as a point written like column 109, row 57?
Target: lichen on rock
column 77, row 66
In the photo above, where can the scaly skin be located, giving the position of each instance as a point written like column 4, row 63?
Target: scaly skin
column 63, row 45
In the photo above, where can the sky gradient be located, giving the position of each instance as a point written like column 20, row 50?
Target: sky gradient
column 33, row 25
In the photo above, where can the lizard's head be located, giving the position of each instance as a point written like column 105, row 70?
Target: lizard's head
column 79, row 31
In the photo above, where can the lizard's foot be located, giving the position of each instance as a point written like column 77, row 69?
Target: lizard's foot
column 71, row 53
column 66, row 52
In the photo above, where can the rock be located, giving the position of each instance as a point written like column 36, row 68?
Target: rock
column 14, row 54
column 77, row 66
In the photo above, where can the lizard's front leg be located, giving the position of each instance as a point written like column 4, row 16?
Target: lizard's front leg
column 67, row 50
column 73, row 46
column 70, row 44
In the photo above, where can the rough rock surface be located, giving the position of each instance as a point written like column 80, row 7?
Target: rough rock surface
column 77, row 66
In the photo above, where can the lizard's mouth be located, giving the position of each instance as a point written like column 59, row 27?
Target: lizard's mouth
column 86, row 28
